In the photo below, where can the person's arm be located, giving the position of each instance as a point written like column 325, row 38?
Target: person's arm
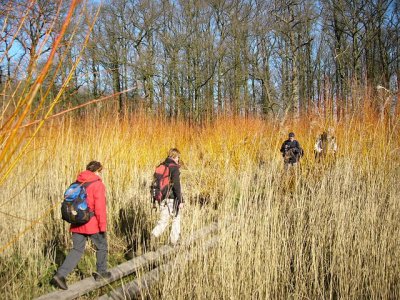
column 283, row 147
column 301, row 152
column 176, row 186
column 100, row 210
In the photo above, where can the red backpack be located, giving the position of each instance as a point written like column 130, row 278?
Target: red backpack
column 161, row 185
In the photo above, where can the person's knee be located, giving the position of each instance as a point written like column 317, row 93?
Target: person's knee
column 102, row 245
column 78, row 249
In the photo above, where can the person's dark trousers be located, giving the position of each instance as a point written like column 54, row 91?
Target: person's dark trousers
column 79, row 243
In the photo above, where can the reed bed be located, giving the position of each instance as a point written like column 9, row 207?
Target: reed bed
column 324, row 231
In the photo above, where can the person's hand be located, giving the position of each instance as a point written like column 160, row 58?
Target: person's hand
column 181, row 205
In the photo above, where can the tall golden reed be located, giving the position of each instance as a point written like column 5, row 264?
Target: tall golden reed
column 329, row 231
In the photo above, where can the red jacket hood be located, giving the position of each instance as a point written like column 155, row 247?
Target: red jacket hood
column 87, row 176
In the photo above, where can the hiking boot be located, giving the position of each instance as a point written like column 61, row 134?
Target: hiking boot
column 102, row 276
column 59, row 282
column 129, row 255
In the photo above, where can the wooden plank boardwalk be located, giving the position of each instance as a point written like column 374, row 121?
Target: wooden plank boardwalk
column 139, row 287
column 87, row 285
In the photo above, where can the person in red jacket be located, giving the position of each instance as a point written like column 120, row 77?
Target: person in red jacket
column 95, row 229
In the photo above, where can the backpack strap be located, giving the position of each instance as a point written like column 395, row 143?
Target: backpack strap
column 168, row 165
column 165, row 170
column 86, row 183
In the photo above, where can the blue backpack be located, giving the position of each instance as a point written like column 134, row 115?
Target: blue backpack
column 74, row 208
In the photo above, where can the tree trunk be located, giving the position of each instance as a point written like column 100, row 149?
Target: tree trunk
column 117, row 87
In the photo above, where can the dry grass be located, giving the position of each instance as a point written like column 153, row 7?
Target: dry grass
column 327, row 232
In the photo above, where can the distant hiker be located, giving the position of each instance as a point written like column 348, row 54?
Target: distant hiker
column 95, row 228
column 171, row 200
column 291, row 151
column 325, row 145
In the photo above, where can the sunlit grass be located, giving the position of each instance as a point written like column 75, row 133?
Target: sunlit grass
column 329, row 232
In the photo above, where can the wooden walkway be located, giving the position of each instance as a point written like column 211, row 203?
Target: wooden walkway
column 138, row 287
column 132, row 289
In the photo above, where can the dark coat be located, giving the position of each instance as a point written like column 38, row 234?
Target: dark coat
column 296, row 149
column 175, row 173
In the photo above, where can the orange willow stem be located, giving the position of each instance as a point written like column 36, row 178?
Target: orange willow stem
column 57, row 42
column 61, row 91
column 38, row 83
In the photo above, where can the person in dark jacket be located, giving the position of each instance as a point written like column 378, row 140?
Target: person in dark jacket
column 291, row 151
column 95, row 229
column 171, row 205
